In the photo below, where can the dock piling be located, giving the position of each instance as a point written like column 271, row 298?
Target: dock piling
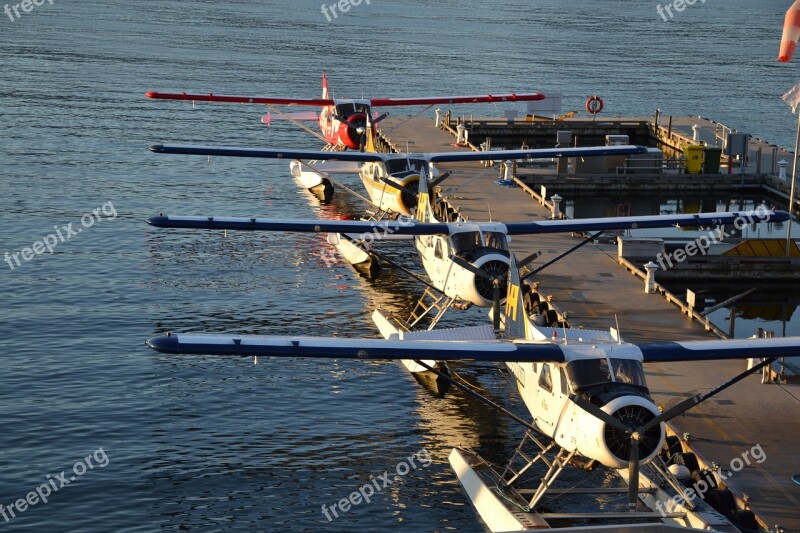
column 556, row 212
column 650, row 280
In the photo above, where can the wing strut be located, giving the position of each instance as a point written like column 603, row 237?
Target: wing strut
column 584, row 242
column 477, row 396
column 297, row 123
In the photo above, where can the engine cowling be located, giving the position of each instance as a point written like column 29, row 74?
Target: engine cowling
column 353, row 130
column 479, row 290
column 597, row 440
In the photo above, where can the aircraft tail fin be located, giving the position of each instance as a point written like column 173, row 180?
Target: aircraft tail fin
column 423, row 207
column 369, row 139
column 324, row 87
column 516, row 319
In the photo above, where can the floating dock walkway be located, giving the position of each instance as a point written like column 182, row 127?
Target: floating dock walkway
column 591, row 287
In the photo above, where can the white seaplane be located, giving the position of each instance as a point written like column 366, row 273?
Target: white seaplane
column 344, row 123
column 586, row 394
column 466, row 262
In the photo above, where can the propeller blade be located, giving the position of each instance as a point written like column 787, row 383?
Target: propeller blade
column 530, row 258
column 496, row 304
column 378, row 119
column 633, row 475
column 592, row 409
column 466, row 265
column 438, row 180
column 397, row 186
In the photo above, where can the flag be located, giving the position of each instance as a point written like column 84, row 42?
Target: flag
column 792, row 97
column 791, row 32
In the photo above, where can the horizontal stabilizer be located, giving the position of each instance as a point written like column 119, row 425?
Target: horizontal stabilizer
column 467, row 333
column 300, row 115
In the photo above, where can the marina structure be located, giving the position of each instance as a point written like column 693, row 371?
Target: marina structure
column 593, row 285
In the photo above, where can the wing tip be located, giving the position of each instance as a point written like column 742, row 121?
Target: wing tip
column 164, row 343
column 157, row 148
column 158, row 221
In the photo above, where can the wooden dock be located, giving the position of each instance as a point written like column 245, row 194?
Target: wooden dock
column 592, row 287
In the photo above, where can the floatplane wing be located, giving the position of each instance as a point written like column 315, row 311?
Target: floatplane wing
column 411, row 227
column 437, row 157
column 322, row 102
column 318, row 155
column 235, row 99
column 489, row 351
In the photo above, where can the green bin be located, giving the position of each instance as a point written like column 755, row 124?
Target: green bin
column 693, row 162
column 711, row 160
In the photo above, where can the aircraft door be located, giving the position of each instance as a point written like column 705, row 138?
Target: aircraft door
column 546, row 401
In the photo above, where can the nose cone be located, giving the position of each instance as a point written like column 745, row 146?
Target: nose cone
column 494, row 269
column 633, row 416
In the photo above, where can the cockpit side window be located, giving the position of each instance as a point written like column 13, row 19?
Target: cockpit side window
column 563, row 376
column 545, row 379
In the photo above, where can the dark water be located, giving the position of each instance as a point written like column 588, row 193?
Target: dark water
column 202, row 443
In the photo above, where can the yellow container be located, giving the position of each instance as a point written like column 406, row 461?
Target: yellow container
column 693, row 162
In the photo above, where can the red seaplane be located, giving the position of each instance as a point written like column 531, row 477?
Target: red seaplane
column 342, row 121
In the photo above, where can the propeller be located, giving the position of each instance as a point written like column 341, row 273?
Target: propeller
column 362, row 131
column 438, row 180
column 395, row 185
column 495, row 279
column 636, row 432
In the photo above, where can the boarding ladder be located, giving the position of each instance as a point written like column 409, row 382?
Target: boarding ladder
column 521, row 461
column 429, row 301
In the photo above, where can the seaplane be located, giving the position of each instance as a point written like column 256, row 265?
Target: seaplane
column 466, row 262
column 344, row 123
column 587, row 399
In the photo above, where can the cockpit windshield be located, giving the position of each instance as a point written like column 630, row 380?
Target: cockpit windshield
column 587, row 372
column 395, row 166
column 495, row 239
column 628, row 371
column 346, row 109
column 466, row 241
